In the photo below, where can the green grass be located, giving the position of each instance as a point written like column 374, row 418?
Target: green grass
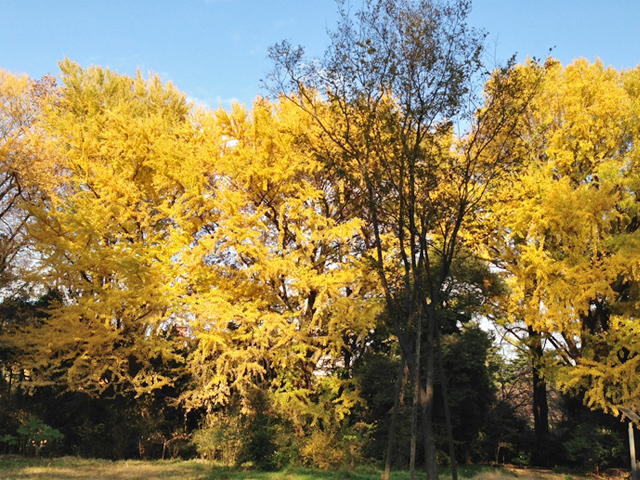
column 13, row 468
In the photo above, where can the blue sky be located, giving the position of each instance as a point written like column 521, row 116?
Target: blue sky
column 215, row 50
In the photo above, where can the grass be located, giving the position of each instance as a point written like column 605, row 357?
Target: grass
column 76, row 468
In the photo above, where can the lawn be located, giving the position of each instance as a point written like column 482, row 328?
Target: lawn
column 75, row 468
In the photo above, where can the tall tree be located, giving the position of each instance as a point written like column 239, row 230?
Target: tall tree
column 567, row 223
column 393, row 82
column 24, row 166
column 107, row 232
column 278, row 298
column 607, row 369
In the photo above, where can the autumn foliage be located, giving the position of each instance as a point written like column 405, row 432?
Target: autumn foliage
column 301, row 280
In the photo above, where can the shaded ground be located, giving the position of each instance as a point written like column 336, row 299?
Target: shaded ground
column 75, row 469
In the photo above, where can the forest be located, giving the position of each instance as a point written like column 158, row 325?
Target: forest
column 399, row 255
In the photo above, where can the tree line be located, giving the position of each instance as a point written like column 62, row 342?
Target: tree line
column 302, row 281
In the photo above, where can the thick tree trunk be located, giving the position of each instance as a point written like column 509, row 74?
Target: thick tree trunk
column 426, row 409
column 540, row 404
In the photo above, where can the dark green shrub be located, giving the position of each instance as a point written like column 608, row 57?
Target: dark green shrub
column 594, row 447
column 37, row 435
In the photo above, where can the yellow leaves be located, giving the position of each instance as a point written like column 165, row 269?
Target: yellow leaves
column 272, row 271
column 585, row 112
column 16, row 114
column 565, row 221
column 563, row 206
column 609, row 369
column 108, row 232
column 223, row 223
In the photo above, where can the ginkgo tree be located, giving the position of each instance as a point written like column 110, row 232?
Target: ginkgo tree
column 184, row 244
column 278, row 294
column 568, row 227
column 107, row 232
column 24, row 166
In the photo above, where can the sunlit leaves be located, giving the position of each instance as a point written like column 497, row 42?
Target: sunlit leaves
column 107, row 233
column 568, row 224
column 273, row 274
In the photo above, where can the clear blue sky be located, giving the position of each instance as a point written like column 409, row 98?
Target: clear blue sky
column 215, row 50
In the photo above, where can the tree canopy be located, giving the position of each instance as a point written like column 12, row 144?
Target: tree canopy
column 303, row 280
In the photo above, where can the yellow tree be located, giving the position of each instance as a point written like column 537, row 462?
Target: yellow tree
column 24, row 168
column 607, row 370
column 567, row 221
column 164, row 219
column 23, row 165
column 108, row 232
column 277, row 295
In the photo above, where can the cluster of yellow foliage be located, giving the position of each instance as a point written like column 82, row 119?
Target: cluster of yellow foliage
column 185, row 243
column 566, row 225
column 217, row 246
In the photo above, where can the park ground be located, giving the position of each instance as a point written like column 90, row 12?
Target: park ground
column 75, row 468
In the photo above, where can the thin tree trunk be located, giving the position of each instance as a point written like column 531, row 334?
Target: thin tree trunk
column 427, row 402
column 447, row 411
column 416, row 400
column 402, row 373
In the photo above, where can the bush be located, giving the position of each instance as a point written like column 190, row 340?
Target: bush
column 259, row 440
column 9, row 440
column 594, row 447
column 221, row 440
column 333, row 450
column 38, row 435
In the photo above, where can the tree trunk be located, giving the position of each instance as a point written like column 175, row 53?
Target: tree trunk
column 402, row 372
column 447, row 411
column 427, row 401
column 416, row 399
column 540, row 404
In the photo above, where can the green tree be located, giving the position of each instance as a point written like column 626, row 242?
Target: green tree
column 38, row 435
column 470, row 386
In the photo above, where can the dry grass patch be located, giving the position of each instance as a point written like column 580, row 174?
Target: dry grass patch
column 71, row 468
column 541, row 474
